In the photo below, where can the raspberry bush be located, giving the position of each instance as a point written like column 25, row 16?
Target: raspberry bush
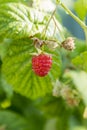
column 43, row 68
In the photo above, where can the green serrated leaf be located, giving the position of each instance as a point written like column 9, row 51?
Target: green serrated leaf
column 18, row 70
column 81, row 8
column 19, row 21
column 17, row 62
column 12, row 121
column 80, row 61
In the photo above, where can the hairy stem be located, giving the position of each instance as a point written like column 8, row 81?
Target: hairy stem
column 62, row 36
column 82, row 24
column 44, row 31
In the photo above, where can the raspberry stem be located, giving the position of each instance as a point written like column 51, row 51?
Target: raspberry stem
column 45, row 29
column 73, row 16
column 61, row 34
column 77, row 19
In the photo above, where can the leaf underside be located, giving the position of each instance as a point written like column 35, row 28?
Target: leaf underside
column 19, row 21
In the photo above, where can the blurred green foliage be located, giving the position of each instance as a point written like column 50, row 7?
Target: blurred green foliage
column 81, row 8
column 27, row 101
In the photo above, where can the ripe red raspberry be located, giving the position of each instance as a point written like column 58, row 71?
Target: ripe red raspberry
column 41, row 64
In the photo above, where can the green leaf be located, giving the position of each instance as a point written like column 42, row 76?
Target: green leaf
column 19, row 21
column 6, row 91
column 12, row 121
column 81, row 8
column 79, row 128
column 18, row 70
column 80, row 47
column 55, row 108
column 4, row 47
column 80, row 81
column 28, row 109
column 80, row 61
